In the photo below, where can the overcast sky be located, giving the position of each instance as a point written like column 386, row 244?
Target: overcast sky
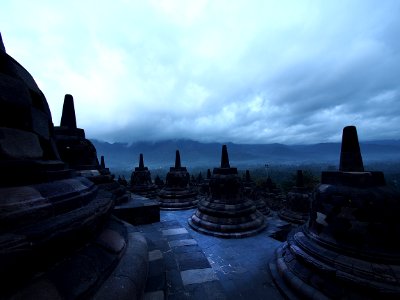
column 240, row 71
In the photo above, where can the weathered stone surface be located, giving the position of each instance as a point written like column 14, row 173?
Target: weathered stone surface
column 177, row 192
column 111, row 240
column 349, row 247
column 226, row 213
column 12, row 139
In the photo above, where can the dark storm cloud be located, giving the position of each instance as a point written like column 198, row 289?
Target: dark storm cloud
column 242, row 71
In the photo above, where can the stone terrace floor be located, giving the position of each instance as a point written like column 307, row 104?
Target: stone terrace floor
column 205, row 267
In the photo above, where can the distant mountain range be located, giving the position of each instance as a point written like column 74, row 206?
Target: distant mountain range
column 196, row 154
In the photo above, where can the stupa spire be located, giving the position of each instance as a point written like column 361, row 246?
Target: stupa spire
column 350, row 154
column 102, row 163
column 141, row 162
column 68, row 118
column 225, row 157
column 177, row 160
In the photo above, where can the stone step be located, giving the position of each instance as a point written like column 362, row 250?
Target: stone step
column 156, row 279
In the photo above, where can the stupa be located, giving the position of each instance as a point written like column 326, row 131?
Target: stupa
column 81, row 155
column 349, row 249
column 159, row 182
column 177, row 193
column 272, row 195
column 204, row 188
column 141, row 183
column 226, row 212
column 57, row 240
column 122, row 181
column 298, row 202
column 253, row 193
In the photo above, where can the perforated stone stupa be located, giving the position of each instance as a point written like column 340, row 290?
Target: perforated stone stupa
column 57, row 240
column 226, row 212
column 254, row 193
column 177, row 193
column 141, row 182
column 350, row 247
column 298, row 202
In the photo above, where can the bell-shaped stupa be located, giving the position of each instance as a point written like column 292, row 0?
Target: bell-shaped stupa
column 254, row 193
column 141, row 182
column 226, row 212
column 349, row 249
column 298, row 202
column 177, row 193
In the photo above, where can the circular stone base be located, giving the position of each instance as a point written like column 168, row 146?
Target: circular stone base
column 227, row 235
column 310, row 270
column 293, row 217
column 178, row 200
column 178, row 205
column 283, row 282
column 262, row 207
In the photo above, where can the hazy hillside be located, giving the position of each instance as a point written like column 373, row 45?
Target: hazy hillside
column 195, row 154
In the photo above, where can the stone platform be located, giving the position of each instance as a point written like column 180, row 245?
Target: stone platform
column 138, row 210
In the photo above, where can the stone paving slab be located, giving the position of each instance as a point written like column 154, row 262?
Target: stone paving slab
column 192, row 260
column 155, row 255
column 198, row 276
column 174, row 231
column 184, row 242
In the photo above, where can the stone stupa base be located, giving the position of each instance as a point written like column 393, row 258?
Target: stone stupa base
column 228, row 235
column 227, row 221
column 262, row 207
column 149, row 192
column 177, row 200
column 302, row 269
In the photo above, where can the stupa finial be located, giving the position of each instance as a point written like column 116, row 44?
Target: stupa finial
column 141, row 162
column 68, row 118
column 102, row 162
column 224, row 157
column 177, row 160
column 350, row 154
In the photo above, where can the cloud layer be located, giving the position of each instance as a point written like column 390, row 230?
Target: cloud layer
column 241, row 71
